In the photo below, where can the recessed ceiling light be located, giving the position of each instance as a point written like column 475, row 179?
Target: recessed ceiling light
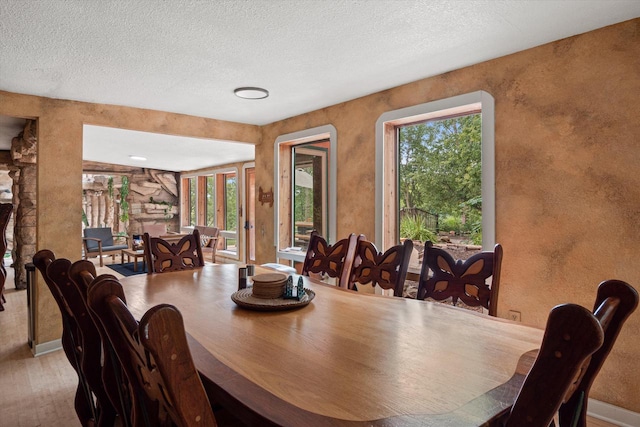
column 142, row 159
column 251, row 92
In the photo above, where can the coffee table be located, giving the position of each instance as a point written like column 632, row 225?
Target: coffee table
column 135, row 253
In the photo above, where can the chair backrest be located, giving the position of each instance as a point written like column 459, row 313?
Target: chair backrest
column 163, row 256
column 103, row 233
column 387, row 270
column 5, row 213
column 571, row 336
column 615, row 301
column 83, row 273
column 208, row 236
column 83, row 402
column 85, row 355
column 177, row 385
column 443, row 277
column 333, row 260
column 156, row 359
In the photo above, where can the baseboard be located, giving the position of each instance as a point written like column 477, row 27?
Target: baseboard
column 47, row 347
column 613, row 414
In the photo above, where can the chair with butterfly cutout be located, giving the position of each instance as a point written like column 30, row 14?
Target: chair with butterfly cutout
column 551, row 386
column 330, row 260
column 154, row 354
column 163, row 256
column 80, row 341
column 387, row 270
column 442, row 277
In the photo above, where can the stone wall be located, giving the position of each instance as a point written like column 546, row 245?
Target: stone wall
column 23, row 173
column 152, row 199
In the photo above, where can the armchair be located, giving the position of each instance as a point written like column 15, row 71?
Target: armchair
column 209, row 239
column 100, row 241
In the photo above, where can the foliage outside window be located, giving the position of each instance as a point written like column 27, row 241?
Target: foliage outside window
column 300, row 207
column 192, row 201
column 440, row 172
column 230, row 208
column 124, row 204
column 309, row 191
column 211, row 199
column 211, row 207
column 441, row 177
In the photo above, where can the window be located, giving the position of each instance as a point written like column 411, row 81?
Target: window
column 439, row 185
column 228, row 218
column 305, row 189
column 309, row 191
column 211, row 198
column 433, row 121
column 188, row 202
column 210, row 214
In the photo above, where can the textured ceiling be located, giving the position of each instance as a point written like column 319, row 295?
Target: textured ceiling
column 187, row 56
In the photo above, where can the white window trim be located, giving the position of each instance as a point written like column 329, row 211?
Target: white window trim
column 243, row 218
column 307, row 135
column 437, row 109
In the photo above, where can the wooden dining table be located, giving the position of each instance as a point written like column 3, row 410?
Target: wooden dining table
column 346, row 358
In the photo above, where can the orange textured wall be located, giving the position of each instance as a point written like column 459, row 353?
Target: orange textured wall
column 567, row 191
column 59, row 181
column 567, row 135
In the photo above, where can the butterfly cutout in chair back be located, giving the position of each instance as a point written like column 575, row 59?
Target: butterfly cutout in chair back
column 443, row 277
column 163, row 256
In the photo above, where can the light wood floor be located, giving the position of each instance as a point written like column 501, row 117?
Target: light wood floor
column 38, row 391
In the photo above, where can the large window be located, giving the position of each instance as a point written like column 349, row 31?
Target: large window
column 228, row 208
column 211, row 198
column 305, row 192
column 309, row 207
column 439, row 186
column 210, row 215
column 449, row 144
column 189, row 202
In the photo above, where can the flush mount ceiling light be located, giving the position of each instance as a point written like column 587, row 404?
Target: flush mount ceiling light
column 251, row 92
column 140, row 158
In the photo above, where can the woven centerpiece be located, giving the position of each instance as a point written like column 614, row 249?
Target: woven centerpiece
column 269, row 285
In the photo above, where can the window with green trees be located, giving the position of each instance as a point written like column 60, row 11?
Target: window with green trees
column 230, row 207
column 435, row 171
column 440, row 175
column 211, row 205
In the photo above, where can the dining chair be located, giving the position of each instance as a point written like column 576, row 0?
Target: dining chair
column 101, row 241
column 83, row 401
column 164, row 256
column 5, row 214
column 442, row 277
column 155, row 356
column 330, row 260
column 80, row 340
column 83, row 274
column 387, row 270
column 615, row 301
column 571, row 336
column 209, row 240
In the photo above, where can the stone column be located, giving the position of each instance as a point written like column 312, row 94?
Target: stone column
column 24, row 155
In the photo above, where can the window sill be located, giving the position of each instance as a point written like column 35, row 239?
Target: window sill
column 292, row 255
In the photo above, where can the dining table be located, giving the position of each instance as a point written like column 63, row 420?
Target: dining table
column 345, row 358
